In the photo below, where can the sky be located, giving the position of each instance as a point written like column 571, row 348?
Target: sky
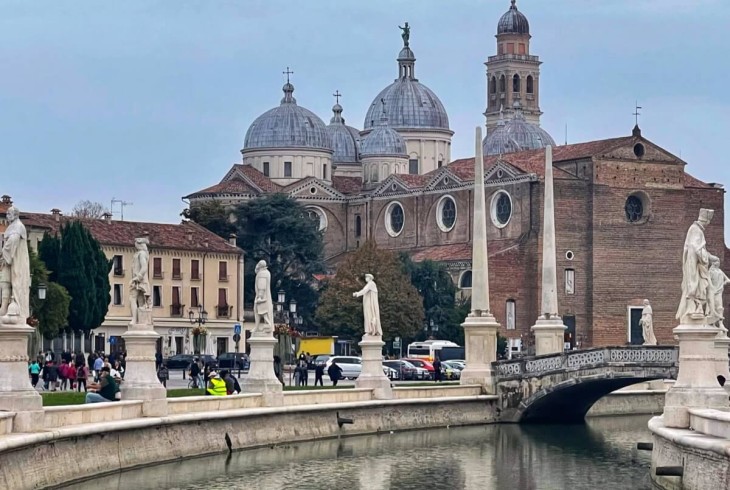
column 149, row 100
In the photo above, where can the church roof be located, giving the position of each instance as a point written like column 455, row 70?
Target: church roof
column 462, row 251
column 241, row 179
column 347, row 185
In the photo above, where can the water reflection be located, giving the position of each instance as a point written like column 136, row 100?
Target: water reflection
column 597, row 455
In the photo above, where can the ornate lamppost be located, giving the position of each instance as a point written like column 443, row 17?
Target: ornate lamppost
column 286, row 321
column 199, row 332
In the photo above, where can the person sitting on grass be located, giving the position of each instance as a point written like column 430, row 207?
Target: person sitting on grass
column 216, row 385
column 105, row 390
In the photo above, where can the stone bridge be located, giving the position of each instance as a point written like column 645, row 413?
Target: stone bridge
column 563, row 387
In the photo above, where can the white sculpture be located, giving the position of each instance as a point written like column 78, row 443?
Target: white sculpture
column 16, row 265
column 263, row 305
column 139, row 287
column 370, row 306
column 696, row 272
column 718, row 281
column 647, row 324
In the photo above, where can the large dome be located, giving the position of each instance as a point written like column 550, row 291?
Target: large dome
column 408, row 103
column 513, row 22
column 384, row 141
column 344, row 139
column 288, row 126
column 516, row 135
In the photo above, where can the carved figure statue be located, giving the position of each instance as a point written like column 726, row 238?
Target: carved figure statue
column 15, row 265
column 139, row 287
column 695, row 272
column 371, row 307
column 406, row 34
column 263, row 305
column 718, row 281
column 647, row 324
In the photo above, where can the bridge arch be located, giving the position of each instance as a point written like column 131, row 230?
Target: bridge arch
column 561, row 388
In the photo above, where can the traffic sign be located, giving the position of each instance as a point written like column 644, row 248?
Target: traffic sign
column 236, row 338
column 237, row 329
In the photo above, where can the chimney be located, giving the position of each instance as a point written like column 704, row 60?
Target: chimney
column 190, row 235
column 55, row 211
column 107, row 217
column 6, row 199
column 232, row 239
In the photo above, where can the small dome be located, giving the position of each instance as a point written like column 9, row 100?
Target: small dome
column 383, row 141
column 344, row 139
column 516, row 135
column 288, row 126
column 513, row 22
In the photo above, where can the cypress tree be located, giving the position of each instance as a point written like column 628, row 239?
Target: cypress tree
column 48, row 250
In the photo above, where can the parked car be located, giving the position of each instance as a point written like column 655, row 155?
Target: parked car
column 232, row 360
column 420, row 363
column 449, row 371
column 321, row 360
column 391, row 373
column 406, row 370
column 351, row 366
column 460, row 365
column 179, row 361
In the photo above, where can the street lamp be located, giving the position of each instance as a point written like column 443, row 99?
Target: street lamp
column 200, row 319
column 293, row 307
column 42, row 291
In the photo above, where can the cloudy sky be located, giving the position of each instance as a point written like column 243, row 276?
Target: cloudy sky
column 149, row 100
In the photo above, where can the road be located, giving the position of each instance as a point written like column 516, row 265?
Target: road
column 176, row 380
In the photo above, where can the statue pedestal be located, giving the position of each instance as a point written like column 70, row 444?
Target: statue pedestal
column 140, row 378
column 372, row 376
column 722, row 367
column 480, row 340
column 549, row 336
column 16, row 393
column 696, row 385
column 261, row 377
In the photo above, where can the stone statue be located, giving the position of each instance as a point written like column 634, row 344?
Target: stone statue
column 647, row 324
column 139, row 287
column 263, row 305
column 718, row 281
column 406, row 34
column 371, row 308
column 15, row 265
column 696, row 272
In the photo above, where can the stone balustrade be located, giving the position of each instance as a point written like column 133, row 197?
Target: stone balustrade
column 318, row 397
column 93, row 413
column 194, row 404
column 711, row 422
column 436, row 391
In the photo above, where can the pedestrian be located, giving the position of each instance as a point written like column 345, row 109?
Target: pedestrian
column 158, row 360
column 277, row 369
column 195, row 373
column 82, row 374
column 216, row 385
column 50, row 376
column 303, row 370
column 163, row 374
column 318, row 375
column 98, row 364
column 107, row 390
column 123, row 363
column 335, row 373
column 437, row 370
column 35, row 370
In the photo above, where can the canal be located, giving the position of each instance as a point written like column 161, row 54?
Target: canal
column 599, row 454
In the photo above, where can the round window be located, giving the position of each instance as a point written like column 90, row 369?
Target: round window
column 639, row 150
column 501, row 209
column 446, row 213
column 318, row 216
column 634, row 209
column 394, row 219
column 569, row 255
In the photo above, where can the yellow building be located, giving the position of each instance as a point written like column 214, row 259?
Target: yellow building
column 190, row 270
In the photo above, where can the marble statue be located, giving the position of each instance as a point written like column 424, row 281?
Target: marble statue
column 406, row 34
column 718, row 281
column 647, row 324
column 15, row 265
column 696, row 272
column 371, row 308
column 263, row 305
column 139, row 287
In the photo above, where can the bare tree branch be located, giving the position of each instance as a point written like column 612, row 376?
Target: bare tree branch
column 88, row 209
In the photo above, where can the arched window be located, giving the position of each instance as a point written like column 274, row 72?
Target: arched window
column 502, row 84
column 374, row 173
column 465, row 280
column 358, row 226
column 394, row 219
column 510, row 314
column 530, row 87
column 516, row 83
column 493, row 85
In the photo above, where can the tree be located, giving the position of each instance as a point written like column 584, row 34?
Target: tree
column 49, row 315
column 401, row 307
column 83, row 269
column 88, row 209
column 213, row 216
column 278, row 230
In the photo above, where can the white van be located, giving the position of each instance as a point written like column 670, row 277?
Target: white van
column 351, row 366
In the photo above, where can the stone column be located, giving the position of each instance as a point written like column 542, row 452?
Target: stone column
column 549, row 328
column 16, row 393
column 372, row 376
column 480, row 326
column 696, row 385
column 261, row 377
column 140, row 377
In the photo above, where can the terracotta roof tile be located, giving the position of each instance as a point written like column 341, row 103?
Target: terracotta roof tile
column 258, row 178
column 461, row 251
column 414, row 181
column 233, row 186
column 690, row 181
column 347, row 185
column 185, row 236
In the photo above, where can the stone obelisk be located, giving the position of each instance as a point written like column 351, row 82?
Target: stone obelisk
column 480, row 326
column 549, row 328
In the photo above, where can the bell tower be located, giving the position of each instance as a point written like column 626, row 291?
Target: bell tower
column 513, row 74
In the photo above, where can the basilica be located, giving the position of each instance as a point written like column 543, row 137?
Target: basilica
column 623, row 204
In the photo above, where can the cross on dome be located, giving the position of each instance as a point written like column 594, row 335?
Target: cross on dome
column 337, row 96
column 287, row 73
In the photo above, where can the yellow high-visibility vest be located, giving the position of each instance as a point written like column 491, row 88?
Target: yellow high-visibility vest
column 219, row 387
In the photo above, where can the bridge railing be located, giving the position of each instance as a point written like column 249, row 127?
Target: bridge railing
column 641, row 355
